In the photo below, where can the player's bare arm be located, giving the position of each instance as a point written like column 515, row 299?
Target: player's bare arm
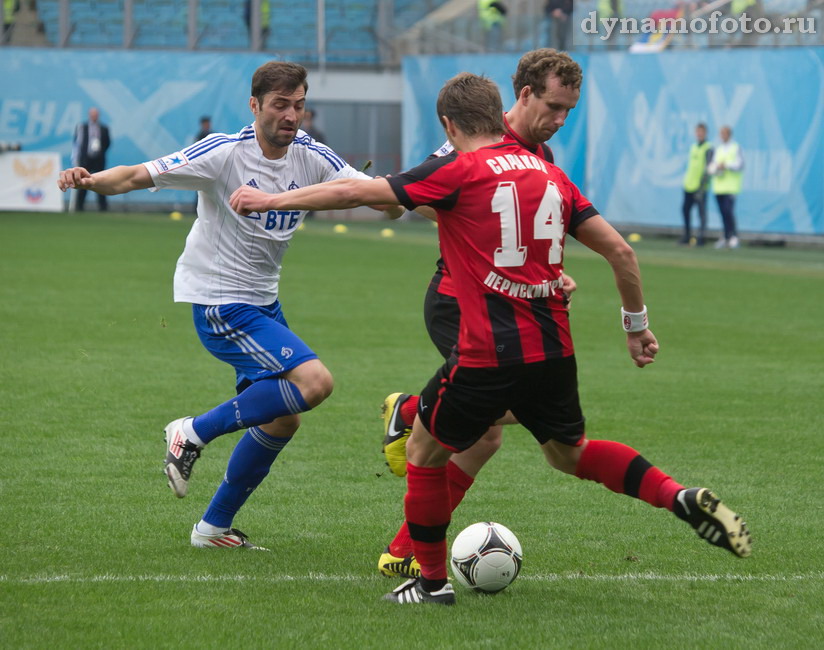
column 117, row 180
column 595, row 233
column 334, row 195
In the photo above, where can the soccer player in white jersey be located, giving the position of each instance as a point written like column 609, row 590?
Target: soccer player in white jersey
column 229, row 271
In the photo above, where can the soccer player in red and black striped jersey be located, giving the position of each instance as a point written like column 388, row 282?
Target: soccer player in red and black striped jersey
column 504, row 214
column 547, row 87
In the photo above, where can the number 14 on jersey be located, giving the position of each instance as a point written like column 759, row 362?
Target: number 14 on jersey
column 548, row 223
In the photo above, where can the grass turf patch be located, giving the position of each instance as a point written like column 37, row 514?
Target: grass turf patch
column 97, row 359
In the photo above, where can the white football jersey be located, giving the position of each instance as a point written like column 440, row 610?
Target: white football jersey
column 229, row 258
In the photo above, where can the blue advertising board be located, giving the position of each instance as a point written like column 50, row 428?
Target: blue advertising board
column 151, row 101
column 626, row 143
column 642, row 112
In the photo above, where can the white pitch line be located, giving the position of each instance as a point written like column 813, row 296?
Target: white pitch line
column 324, row 577
column 658, row 577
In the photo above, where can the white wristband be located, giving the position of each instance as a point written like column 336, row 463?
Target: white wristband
column 634, row 321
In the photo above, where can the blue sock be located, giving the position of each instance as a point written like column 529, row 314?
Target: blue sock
column 260, row 403
column 248, row 466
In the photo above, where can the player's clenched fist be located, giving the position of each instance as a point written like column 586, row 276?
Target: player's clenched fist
column 643, row 346
column 76, row 177
column 246, row 200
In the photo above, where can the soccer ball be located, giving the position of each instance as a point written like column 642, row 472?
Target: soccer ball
column 486, row 557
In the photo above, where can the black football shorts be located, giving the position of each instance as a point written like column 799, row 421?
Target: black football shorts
column 459, row 404
column 442, row 317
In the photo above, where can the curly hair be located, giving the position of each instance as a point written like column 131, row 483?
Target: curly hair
column 535, row 66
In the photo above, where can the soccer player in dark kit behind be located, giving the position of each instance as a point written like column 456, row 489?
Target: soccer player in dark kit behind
column 503, row 215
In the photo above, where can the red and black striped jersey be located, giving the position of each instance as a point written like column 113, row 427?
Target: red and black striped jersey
column 503, row 215
column 442, row 280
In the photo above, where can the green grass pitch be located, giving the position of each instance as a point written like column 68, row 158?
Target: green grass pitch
column 96, row 359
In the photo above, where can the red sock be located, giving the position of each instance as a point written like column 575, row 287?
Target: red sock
column 427, row 514
column 622, row 469
column 409, row 409
column 459, row 483
column 402, row 544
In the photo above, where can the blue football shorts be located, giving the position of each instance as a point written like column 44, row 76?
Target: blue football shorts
column 256, row 341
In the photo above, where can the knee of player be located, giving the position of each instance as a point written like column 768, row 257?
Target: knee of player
column 318, row 386
column 562, row 457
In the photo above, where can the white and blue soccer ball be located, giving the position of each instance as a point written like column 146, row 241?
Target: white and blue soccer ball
column 486, row 557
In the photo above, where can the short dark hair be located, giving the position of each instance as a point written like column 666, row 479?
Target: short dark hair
column 473, row 103
column 278, row 75
column 535, row 66
column 701, row 125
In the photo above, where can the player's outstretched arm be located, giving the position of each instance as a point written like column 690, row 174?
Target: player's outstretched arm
column 117, row 180
column 597, row 234
column 334, row 195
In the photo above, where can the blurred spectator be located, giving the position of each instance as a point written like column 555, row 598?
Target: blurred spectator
column 559, row 13
column 753, row 10
column 492, row 15
column 610, row 9
column 309, row 126
column 725, row 168
column 205, row 128
column 696, row 182
column 265, row 11
column 91, row 141
column 659, row 40
column 10, row 9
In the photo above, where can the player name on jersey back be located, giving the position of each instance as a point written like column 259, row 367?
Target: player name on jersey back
column 508, row 162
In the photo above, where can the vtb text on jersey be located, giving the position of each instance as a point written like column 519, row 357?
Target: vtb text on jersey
column 230, row 257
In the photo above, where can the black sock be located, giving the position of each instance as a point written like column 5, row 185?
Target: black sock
column 432, row 585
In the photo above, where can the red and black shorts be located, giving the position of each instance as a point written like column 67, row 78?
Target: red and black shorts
column 459, row 404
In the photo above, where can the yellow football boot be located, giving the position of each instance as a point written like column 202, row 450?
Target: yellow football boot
column 396, row 433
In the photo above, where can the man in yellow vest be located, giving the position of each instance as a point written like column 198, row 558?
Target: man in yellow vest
column 492, row 15
column 265, row 18
column 753, row 10
column 696, row 181
column 606, row 9
column 727, row 177
column 610, row 9
column 10, row 8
